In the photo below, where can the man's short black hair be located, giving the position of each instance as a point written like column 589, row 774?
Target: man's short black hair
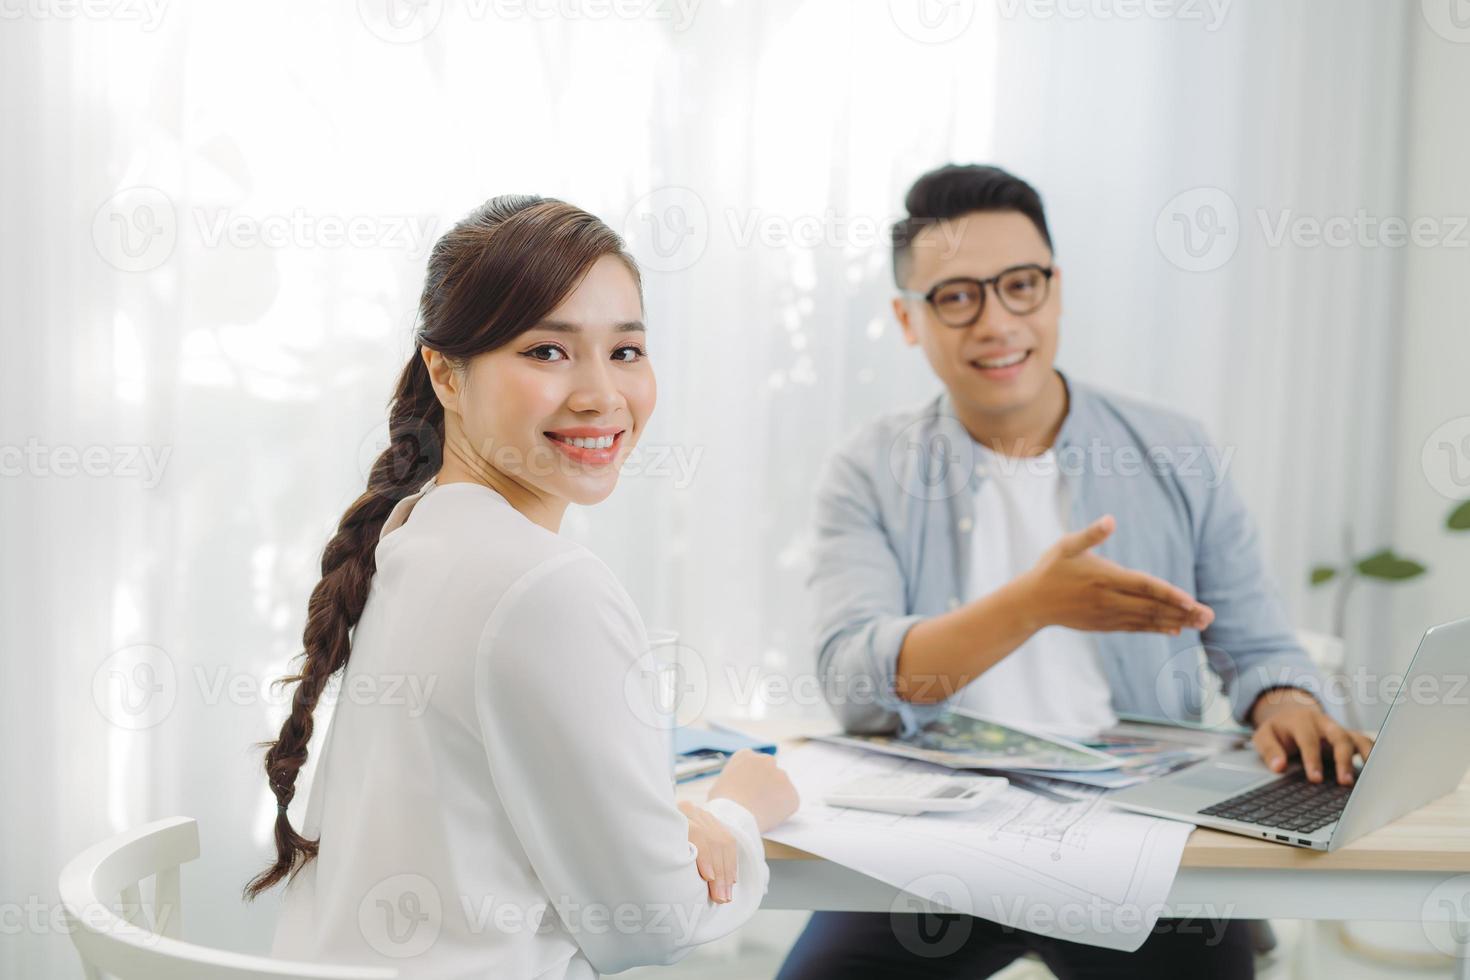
column 958, row 189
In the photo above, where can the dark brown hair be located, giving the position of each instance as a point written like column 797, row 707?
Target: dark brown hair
column 958, row 189
column 490, row 278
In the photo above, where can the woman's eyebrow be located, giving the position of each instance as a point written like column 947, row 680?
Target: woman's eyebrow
column 566, row 326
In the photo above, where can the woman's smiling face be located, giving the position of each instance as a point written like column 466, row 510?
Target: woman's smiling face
column 558, row 409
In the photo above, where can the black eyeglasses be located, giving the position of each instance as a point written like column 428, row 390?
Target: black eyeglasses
column 959, row 302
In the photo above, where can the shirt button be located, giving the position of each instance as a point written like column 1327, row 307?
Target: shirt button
column 965, row 524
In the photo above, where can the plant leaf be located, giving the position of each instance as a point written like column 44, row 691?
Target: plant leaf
column 1390, row 567
column 1323, row 573
column 1459, row 519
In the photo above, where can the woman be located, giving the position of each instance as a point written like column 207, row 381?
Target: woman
column 517, row 818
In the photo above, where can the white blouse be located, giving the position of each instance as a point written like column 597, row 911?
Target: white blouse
column 493, row 795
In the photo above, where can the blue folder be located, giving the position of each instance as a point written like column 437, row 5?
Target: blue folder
column 690, row 742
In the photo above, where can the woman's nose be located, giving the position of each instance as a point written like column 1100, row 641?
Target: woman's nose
column 594, row 390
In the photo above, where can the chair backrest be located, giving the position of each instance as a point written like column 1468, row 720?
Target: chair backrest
column 118, row 936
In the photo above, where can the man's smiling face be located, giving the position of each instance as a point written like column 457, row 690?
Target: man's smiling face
column 1003, row 361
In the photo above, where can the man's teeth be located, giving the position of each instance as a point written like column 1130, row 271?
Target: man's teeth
column 1007, row 361
column 596, row 442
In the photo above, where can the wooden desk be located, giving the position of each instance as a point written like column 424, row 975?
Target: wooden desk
column 1414, row 869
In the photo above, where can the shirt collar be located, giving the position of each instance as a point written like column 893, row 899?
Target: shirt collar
column 401, row 510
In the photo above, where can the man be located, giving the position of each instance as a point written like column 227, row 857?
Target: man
column 1041, row 553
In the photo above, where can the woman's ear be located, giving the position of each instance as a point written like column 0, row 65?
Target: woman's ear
column 445, row 379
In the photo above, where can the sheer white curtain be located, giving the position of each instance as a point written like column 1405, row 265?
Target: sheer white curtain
column 214, row 227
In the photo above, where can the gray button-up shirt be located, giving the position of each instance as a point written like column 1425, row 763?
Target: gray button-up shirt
column 894, row 521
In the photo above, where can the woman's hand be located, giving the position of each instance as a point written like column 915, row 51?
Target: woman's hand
column 753, row 780
column 716, row 853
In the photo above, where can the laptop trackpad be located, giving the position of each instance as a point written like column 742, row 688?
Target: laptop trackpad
column 1218, row 779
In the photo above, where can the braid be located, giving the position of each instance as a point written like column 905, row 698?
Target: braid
column 349, row 562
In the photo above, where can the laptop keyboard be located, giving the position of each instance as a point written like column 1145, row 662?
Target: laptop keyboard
column 1287, row 804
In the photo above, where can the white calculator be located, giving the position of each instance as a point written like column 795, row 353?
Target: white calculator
column 914, row 792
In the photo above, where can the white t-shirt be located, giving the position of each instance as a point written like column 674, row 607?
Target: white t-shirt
column 1052, row 681
column 494, row 796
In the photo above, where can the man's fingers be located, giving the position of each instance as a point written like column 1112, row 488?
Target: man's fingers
column 1363, row 742
column 1090, row 536
column 1343, row 751
column 1137, row 614
column 1309, row 746
column 1272, row 752
column 1143, row 584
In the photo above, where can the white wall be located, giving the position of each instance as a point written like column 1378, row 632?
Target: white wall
column 1434, row 373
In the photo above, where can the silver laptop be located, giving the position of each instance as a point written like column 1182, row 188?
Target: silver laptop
column 1421, row 754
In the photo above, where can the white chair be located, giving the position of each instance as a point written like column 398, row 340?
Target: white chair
column 117, row 936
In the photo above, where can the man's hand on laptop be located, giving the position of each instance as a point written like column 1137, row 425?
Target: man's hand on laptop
column 1289, row 722
column 1072, row 586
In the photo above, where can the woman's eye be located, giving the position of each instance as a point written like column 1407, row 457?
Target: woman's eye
column 628, row 353
column 547, row 352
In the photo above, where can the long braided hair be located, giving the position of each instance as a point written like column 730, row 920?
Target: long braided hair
column 490, row 278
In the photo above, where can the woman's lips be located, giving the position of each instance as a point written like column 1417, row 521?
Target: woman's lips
column 598, row 447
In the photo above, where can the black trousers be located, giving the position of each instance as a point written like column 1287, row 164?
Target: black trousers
column 881, row 945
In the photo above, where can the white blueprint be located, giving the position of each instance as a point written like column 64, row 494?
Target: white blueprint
column 1082, row 871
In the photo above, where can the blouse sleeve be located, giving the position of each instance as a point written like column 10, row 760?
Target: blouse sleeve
column 582, row 769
